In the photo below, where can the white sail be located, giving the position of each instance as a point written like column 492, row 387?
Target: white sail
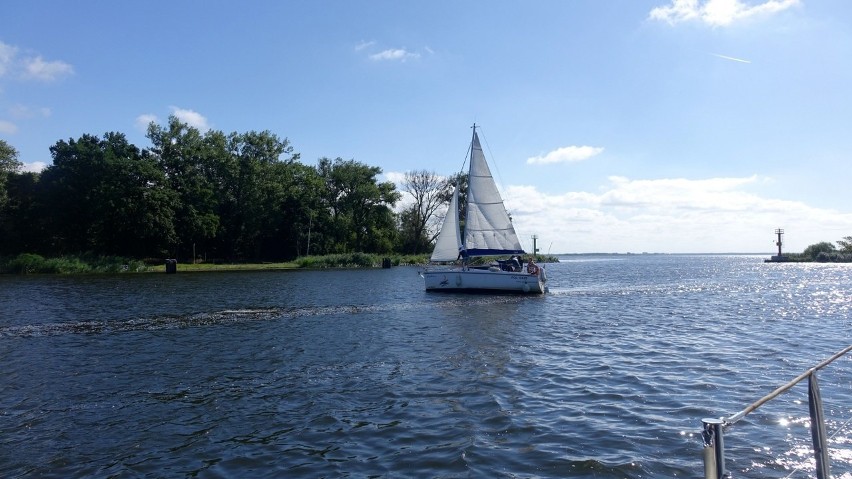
column 449, row 241
column 488, row 229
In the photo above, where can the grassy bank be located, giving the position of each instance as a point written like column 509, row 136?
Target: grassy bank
column 347, row 260
column 35, row 264
column 28, row 263
column 90, row 264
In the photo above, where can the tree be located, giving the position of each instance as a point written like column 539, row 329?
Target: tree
column 248, row 189
column 185, row 157
column 457, row 181
column 106, row 196
column 301, row 222
column 360, row 207
column 845, row 244
column 428, row 192
column 21, row 225
column 814, row 250
column 8, row 164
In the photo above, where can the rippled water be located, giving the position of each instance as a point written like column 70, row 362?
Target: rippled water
column 361, row 373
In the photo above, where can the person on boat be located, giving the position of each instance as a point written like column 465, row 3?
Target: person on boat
column 532, row 268
column 516, row 265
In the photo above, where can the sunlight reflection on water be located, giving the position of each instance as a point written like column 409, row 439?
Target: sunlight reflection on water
column 333, row 373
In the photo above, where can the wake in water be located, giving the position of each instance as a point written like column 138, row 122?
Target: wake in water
column 224, row 317
column 140, row 324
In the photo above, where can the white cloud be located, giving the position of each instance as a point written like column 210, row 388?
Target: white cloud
column 25, row 112
column 33, row 68
column 8, row 128
column 39, row 69
column 7, row 55
column 715, row 215
column 395, row 177
column 566, row 154
column 142, row 121
column 394, row 54
column 191, row 118
column 389, row 54
column 364, row 44
column 717, row 12
column 34, row 167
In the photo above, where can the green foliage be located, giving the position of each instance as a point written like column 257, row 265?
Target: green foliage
column 236, row 197
column 357, row 260
column 814, row 250
column 347, row 260
column 833, row 257
column 361, row 216
column 28, row 263
column 23, row 264
column 539, row 258
column 187, row 162
column 825, row 252
column 8, row 158
column 8, row 164
column 105, row 195
column 845, row 244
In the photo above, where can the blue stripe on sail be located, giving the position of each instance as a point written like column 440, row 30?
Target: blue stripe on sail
column 493, row 252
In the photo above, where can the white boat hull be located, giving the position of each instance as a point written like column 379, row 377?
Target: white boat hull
column 484, row 280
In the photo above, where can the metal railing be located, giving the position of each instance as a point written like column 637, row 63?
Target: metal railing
column 714, row 445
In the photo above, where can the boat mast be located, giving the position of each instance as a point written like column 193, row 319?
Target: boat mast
column 463, row 238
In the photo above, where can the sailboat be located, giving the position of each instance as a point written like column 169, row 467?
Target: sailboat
column 488, row 231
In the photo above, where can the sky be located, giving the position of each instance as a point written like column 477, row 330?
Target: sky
column 660, row 126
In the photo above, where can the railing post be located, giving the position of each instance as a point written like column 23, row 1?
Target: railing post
column 714, row 449
column 818, row 428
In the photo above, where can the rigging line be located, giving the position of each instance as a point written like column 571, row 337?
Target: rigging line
column 800, row 466
column 795, row 469
column 466, row 156
column 840, row 428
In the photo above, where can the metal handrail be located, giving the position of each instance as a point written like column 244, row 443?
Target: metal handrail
column 736, row 417
column 714, row 449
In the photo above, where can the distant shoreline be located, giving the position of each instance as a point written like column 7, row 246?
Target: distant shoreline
column 663, row 254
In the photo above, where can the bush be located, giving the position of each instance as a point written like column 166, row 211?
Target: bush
column 814, row 250
column 24, row 263
column 65, row 265
column 356, row 260
column 833, row 257
column 28, row 263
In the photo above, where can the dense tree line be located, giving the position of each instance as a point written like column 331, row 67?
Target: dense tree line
column 238, row 196
column 826, row 252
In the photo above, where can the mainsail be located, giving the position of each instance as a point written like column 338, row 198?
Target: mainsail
column 448, row 244
column 488, row 229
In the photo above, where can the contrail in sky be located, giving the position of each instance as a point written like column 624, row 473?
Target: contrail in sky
column 731, row 58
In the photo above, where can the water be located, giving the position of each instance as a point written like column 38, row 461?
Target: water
column 361, row 373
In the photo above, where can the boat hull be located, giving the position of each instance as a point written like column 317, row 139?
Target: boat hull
column 483, row 281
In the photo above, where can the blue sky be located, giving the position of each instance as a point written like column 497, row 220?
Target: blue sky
column 612, row 126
